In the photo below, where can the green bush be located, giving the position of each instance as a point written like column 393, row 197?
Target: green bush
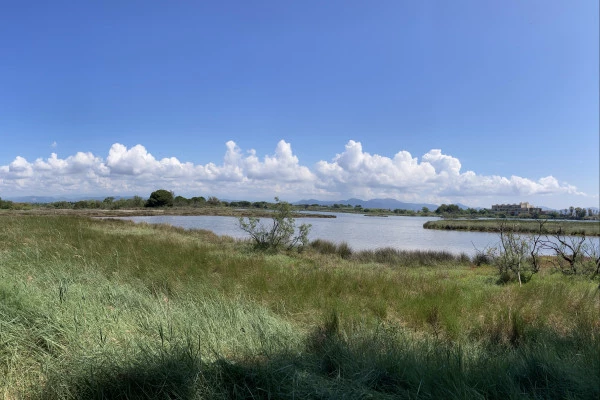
column 323, row 246
column 327, row 247
column 482, row 258
column 517, row 256
column 5, row 204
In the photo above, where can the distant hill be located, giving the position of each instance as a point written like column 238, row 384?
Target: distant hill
column 391, row 204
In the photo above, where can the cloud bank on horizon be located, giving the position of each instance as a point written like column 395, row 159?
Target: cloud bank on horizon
column 435, row 178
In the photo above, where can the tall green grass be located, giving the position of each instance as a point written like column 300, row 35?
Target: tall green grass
column 390, row 256
column 110, row 309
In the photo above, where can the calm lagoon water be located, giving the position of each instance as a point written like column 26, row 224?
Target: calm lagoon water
column 359, row 231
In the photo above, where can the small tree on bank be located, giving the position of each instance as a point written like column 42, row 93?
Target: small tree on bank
column 517, row 256
column 282, row 232
column 571, row 253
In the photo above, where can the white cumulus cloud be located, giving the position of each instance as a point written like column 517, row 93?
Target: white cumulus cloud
column 436, row 177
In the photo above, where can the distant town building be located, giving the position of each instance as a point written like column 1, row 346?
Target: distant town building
column 516, row 209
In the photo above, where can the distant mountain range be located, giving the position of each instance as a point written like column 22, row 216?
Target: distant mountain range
column 391, row 204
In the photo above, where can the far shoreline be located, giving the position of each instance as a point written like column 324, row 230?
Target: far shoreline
column 171, row 211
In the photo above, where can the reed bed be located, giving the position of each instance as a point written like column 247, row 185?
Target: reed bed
column 591, row 228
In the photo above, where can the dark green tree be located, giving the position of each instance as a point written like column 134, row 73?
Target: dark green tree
column 181, row 201
column 137, row 201
column 160, row 198
column 580, row 213
column 448, row 209
column 197, row 201
column 213, row 201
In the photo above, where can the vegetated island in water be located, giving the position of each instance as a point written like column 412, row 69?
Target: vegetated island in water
column 519, row 226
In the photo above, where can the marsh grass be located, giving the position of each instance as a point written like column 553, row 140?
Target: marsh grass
column 390, row 256
column 322, row 246
column 112, row 309
column 412, row 258
column 591, row 228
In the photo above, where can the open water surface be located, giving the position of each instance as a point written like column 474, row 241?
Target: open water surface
column 359, row 231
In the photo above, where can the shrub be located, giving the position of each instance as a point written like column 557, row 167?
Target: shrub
column 344, row 250
column 517, row 256
column 213, row 201
column 482, row 258
column 323, row 246
column 281, row 234
column 181, row 201
column 326, row 247
column 6, row 204
column 575, row 255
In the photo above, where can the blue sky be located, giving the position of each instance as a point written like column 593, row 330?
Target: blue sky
column 430, row 101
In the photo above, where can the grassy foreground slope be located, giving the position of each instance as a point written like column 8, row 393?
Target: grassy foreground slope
column 109, row 309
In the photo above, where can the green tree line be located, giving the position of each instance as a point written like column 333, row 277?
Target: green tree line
column 166, row 198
